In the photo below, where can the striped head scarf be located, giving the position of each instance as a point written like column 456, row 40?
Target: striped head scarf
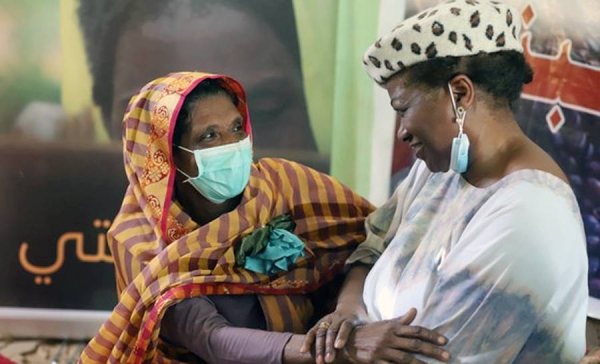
column 162, row 256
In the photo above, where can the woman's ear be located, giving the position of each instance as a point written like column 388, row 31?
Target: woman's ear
column 463, row 89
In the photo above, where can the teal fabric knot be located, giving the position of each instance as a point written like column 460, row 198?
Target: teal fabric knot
column 271, row 248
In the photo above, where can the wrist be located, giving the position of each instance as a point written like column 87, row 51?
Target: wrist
column 292, row 354
column 356, row 308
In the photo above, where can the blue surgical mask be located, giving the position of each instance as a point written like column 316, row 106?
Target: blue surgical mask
column 223, row 171
column 459, row 155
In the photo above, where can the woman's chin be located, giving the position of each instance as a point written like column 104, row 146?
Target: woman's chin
column 436, row 167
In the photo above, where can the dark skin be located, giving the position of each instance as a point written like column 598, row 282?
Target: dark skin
column 216, row 121
column 427, row 122
column 498, row 145
column 388, row 341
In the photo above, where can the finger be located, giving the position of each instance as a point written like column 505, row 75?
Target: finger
column 418, row 346
column 420, row 332
column 329, row 340
column 379, row 361
column 390, row 355
column 320, row 345
column 308, row 340
column 408, row 317
column 344, row 334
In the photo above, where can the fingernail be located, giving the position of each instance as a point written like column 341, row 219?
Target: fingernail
column 446, row 355
column 442, row 340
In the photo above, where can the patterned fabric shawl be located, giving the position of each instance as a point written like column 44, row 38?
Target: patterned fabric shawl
column 162, row 256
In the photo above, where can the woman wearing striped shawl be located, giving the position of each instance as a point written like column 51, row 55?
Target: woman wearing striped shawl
column 216, row 257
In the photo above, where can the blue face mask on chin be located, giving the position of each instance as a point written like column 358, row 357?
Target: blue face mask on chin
column 223, row 171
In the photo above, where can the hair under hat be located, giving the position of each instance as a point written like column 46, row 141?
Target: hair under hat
column 454, row 29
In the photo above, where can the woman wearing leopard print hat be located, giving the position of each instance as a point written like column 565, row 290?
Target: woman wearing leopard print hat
column 483, row 242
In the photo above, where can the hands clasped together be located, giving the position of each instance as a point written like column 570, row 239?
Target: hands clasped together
column 343, row 336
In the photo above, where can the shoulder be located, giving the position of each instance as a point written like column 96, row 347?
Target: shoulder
column 279, row 169
column 289, row 175
column 306, row 182
column 283, row 169
column 537, row 159
column 527, row 217
column 536, row 196
column 278, row 164
column 528, row 234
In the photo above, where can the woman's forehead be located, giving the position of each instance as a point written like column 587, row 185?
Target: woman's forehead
column 397, row 87
column 215, row 109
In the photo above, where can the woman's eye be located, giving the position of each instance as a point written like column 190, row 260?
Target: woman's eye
column 208, row 136
column 401, row 111
column 238, row 128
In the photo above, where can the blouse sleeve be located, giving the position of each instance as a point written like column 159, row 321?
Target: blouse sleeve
column 377, row 225
column 196, row 325
column 382, row 224
column 513, row 288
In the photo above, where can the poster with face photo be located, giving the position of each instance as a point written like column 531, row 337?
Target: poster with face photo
column 560, row 109
column 68, row 69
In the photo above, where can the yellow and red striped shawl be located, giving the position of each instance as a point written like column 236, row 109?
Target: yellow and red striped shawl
column 162, row 256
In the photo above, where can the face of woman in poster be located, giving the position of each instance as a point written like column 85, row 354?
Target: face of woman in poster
column 223, row 40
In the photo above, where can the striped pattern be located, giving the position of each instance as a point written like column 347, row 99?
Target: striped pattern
column 162, row 256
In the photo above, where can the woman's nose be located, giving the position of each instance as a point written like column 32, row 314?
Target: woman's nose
column 231, row 138
column 402, row 134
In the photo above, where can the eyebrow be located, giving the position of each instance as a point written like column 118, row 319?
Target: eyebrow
column 237, row 119
column 402, row 98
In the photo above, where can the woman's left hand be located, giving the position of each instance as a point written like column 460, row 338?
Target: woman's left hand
column 395, row 341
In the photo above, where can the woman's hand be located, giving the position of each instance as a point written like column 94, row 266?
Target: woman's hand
column 332, row 332
column 394, row 341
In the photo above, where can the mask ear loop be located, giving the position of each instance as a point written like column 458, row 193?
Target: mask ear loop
column 184, row 148
column 459, row 111
column 185, row 174
column 179, row 170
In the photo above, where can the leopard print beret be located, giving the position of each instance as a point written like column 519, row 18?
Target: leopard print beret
column 455, row 28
